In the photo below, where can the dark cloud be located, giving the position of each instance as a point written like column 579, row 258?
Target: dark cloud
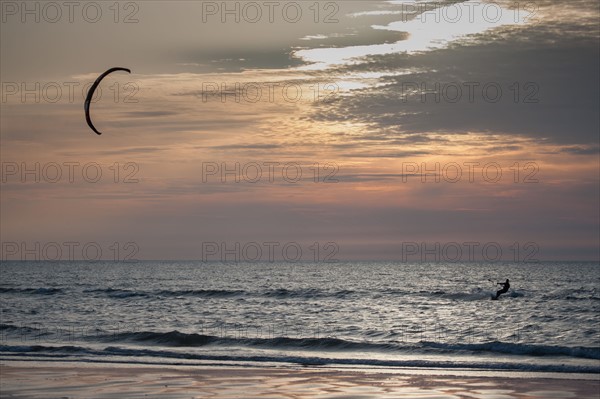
column 549, row 82
column 578, row 150
column 503, row 148
column 148, row 114
column 395, row 154
column 375, row 177
column 247, row 147
column 134, row 150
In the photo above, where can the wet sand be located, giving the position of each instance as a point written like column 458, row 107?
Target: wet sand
column 88, row 380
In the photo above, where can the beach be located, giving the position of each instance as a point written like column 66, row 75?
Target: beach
column 86, row 380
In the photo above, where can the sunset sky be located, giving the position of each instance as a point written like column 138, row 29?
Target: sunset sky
column 341, row 87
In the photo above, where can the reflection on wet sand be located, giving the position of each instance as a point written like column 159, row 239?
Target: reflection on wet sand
column 228, row 383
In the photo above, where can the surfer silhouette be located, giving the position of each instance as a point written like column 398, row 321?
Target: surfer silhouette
column 504, row 289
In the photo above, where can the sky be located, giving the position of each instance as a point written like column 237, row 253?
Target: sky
column 331, row 130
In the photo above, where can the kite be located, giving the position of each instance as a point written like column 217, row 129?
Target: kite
column 90, row 94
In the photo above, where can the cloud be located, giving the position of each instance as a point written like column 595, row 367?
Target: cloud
column 149, row 114
column 549, row 89
column 579, row 150
column 396, row 154
column 246, row 146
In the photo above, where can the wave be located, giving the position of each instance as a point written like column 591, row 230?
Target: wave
column 475, row 294
column 306, row 293
column 22, row 332
column 123, row 293
column 276, row 293
column 12, row 327
column 71, row 352
column 179, row 339
column 30, row 291
column 202, row 293
column 300, row 293
column 117, row 293
column 172, row 338
column 578, row 294
column 222, row 293
column 520, row 349
column 262, row 339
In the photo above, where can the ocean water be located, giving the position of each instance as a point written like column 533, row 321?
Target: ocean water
column 359, row 314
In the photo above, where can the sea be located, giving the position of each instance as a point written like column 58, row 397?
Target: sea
column 343, row 314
